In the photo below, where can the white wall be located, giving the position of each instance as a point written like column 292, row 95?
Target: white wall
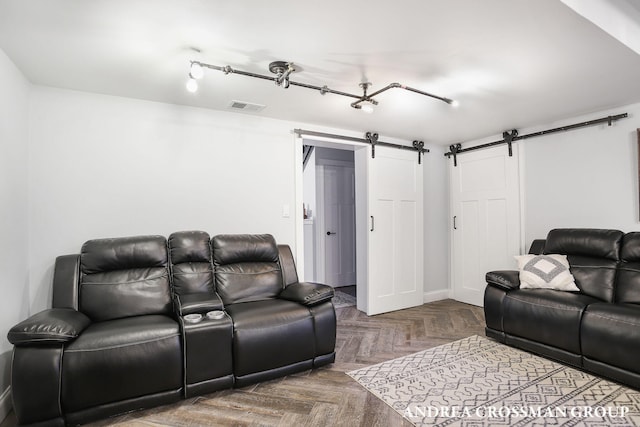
column 436, row 223
column 583, row 178
column 14, row 112
column 103, row 166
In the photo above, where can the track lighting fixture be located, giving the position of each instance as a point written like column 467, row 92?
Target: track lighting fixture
column 283, row 71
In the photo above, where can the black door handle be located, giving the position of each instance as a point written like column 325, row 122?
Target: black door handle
column 329, row 233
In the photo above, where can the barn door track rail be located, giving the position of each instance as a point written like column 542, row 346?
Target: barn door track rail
column 370, row 138
column 512, row 136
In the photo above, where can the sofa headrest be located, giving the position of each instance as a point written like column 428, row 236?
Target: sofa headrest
column 631, row 247
column 189, row 246
column 596, row 243
column 235, row 248
column 123, row 253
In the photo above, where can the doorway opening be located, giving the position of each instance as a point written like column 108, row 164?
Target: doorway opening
column 389, row 229
column 329, row 209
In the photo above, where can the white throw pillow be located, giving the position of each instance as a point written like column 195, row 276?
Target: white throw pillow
column 545, row 272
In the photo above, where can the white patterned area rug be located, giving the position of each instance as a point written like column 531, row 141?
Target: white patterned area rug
column 480, row 382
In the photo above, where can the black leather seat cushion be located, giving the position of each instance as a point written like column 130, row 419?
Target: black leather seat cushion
column 121, row 359
column 546, row 316
column 611, row 334
column 270, row 334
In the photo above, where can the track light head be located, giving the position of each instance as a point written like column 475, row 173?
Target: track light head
column 367, row 107
column 196, row 71
column 192, row 84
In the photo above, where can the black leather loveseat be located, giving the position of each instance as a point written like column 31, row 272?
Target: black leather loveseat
column 117, row 338
column 597, row 328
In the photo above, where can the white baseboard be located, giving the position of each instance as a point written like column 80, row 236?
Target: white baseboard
column 435, row 296
column 5, row 403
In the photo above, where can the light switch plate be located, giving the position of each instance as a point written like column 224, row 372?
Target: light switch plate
column 286, row 212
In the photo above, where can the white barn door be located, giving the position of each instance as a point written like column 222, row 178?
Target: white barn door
column 485, row 204
column 395, row 198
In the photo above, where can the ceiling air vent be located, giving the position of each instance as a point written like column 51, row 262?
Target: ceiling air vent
column 246, row 106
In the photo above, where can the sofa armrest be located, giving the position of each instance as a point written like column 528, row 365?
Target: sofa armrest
column 66, row 276
column 201, row 303
column 52, row 326
column 307, row 293
column 505, row 279
column 287, row 265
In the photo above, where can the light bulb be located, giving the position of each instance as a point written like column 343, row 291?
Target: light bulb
column 196, row 70
column 192, row 85
column 455, row 103
column 367, row 107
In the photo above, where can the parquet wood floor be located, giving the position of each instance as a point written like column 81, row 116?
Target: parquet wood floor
column 325, row 396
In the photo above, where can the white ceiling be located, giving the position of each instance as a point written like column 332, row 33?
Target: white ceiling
column 510, row 63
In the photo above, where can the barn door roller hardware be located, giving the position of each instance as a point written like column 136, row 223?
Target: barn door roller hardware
column 511, row 137
column 454, row 149
column 419, row 145
column 508, row 138
column 370, row 138
column 284, row 69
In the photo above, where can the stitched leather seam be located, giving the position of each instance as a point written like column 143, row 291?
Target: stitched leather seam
column 594, row 266
column 51, row 339
column 629, row 269
column 194, row 272
column 545, row 305
column 283, row 323
column 179, row 305
column 125, row 283
column 248, row 274
column 46, row 333
column 123, row 345
column 613, row 319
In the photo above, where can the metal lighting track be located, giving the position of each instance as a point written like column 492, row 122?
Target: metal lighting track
column 284, row 69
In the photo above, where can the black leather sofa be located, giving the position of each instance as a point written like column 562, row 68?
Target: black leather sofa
column 596, row 329
column 117, row 338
